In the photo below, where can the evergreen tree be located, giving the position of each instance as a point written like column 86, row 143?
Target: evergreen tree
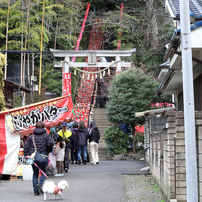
column 131, row 91
column 52, row 83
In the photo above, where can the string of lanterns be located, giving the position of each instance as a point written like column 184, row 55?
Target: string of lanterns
column 97, row 72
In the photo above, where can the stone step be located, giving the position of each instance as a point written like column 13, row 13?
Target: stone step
column 102, row 123
column 102, row 116
column 101, row 141
column 102, row 152
column 102, row 145
column 102, row 129
column 99, row 110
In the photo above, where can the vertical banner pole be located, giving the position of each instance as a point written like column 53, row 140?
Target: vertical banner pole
column 119, row 37
column 82, row 29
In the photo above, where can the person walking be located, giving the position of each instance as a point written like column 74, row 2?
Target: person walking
column 59, row 153
column 44, row 143
column 94, row 136
column 67, row 137
column 73, row 146
column 102, row 93
column 81, row 137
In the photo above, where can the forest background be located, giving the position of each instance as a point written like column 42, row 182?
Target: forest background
column 145, row 26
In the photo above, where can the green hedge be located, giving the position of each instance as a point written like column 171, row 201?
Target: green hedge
column 116, row 140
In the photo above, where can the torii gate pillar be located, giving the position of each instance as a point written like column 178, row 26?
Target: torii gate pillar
column 66, row 66
column 118, row 65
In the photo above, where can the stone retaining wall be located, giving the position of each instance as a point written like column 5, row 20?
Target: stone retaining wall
column 167, row 155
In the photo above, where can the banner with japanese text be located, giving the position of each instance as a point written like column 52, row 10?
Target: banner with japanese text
column 15, row 123
column 66, row 84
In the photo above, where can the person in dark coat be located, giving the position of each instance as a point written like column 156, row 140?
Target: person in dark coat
column 94, row 136
column 124, row 127
column 44, row 143
column 102, row 93
column 92, row 123
column 81, row 139
column 73, row 146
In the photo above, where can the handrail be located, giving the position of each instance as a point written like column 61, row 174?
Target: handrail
column 92, row 99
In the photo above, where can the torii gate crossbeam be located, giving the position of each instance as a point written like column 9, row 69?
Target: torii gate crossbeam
column 92, row 57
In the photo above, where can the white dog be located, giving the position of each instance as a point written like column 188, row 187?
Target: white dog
column 49, row 188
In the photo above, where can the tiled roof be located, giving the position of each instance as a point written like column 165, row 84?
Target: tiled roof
column 195, row 7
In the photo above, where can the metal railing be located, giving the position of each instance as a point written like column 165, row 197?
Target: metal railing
column 91, row 102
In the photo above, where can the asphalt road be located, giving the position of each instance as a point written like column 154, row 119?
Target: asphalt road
column 87, row 183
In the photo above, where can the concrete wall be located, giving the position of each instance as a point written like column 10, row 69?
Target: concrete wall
column 167, row 150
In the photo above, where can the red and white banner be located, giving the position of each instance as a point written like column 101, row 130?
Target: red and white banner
column 15, row 123
column 119, row 37
column 82, row 30
column 66, row 84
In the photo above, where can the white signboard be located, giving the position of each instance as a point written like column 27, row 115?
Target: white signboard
column 91, row 58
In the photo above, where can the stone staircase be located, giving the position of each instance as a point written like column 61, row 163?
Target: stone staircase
column 102, row 123
column 85, row 89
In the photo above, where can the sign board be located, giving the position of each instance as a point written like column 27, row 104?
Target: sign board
column 66, row 84
column 91, row 58
column 21, row 121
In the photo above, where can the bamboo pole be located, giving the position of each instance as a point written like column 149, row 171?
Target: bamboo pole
column 76, row 26
column 5, row 70
column 56, row 33
column 25, row 43
column 23, row 72
column 21, row 47
column 41, row 50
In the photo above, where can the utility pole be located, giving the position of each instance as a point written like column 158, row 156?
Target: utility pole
column 188, row 97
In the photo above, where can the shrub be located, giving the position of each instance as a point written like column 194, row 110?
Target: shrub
column 139, row 138
column 116, row 140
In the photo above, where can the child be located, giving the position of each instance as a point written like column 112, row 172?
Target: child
column 59, row 153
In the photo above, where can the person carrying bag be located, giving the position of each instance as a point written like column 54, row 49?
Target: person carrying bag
column 40, row 158
column 39, row 143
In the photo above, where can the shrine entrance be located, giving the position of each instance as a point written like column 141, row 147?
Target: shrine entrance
column 96, row 59
column 97, row 62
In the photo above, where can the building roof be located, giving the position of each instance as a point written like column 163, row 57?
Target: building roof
column 154, row 112
column 195, row 7
column 172, row 81
column 16, row 86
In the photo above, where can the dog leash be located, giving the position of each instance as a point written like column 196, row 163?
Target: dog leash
column 43, row 172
